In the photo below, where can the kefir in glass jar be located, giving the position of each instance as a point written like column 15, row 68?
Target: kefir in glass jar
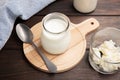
column 85, row 6
column 55, row 36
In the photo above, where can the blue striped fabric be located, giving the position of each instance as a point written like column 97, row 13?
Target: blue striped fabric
column 11, row 9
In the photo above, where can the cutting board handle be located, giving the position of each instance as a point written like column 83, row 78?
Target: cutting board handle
column 87, row 26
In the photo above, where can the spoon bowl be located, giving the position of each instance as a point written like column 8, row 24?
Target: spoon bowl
column 24, row 34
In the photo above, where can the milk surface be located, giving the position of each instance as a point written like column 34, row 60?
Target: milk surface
column 52, row 42
column 55, row 25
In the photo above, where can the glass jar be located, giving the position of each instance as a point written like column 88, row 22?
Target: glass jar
column 85, row 6
column 104, row 54
column 55, row 36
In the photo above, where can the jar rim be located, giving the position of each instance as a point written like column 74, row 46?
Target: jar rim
column 59, row 15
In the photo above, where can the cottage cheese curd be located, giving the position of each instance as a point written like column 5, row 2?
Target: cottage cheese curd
column 107, row 55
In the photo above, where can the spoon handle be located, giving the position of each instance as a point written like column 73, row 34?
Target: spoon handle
column 51, row 67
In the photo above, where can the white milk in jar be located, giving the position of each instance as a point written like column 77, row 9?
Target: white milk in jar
column 85, row 6
column 55, row 37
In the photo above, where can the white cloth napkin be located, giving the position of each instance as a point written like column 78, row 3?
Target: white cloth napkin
column 11, row 9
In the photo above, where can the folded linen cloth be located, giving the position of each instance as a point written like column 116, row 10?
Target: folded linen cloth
column 11, row 9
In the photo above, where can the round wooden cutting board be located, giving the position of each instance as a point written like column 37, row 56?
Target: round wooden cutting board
column 68, row 59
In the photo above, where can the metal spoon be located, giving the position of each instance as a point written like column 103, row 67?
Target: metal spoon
column 25, row 34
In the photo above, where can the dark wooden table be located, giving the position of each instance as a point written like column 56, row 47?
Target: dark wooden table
column 14, row 65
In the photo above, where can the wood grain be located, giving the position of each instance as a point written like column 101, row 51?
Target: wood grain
column 69, row 58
